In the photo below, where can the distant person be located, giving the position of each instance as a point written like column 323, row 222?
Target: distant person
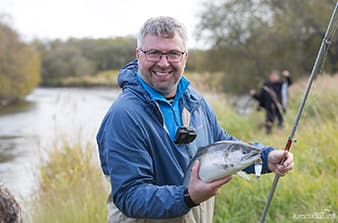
column 154, row 128
column 273, row 97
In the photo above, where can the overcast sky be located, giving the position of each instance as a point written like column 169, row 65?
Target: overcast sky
column 94, row 18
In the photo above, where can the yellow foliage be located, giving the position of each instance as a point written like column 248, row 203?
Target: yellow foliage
column 19, row 65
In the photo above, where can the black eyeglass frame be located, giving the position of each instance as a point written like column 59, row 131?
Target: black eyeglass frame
column 160, row 54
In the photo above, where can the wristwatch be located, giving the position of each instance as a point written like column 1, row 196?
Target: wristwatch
column 187, row 199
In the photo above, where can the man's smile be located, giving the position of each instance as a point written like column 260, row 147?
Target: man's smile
column 162, row 74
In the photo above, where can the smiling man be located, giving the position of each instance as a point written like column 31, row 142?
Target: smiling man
column 152, row 131
column 161, row 61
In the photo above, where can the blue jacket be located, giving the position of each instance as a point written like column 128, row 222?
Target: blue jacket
column 145, row 166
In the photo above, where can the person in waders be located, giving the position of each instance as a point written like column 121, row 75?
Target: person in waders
column 273, row 97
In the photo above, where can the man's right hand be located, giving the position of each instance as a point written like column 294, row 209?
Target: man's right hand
column 201, row 191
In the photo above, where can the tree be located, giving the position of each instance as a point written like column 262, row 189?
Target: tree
column 19, row 65
column 82, row 57
column 249, row 38
column 62, row 60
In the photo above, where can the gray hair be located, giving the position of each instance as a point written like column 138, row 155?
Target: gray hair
column 162, row 26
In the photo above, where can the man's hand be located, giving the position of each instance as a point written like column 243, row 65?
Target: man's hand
column 200, row 191
column 274, row 159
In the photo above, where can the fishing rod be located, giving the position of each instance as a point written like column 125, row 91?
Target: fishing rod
column 320, row 58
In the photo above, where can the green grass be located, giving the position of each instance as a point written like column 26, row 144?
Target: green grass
column 72, row 188
column 311, row 187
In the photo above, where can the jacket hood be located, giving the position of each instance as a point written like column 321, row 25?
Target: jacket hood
column 127, row 75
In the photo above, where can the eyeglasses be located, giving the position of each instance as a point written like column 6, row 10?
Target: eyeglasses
column 173, row 56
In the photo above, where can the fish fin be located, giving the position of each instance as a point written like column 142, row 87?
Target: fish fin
column 243, row 174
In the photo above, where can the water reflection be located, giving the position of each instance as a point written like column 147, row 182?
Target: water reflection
column 29, row 127
column 7, row 147
column 17, row 107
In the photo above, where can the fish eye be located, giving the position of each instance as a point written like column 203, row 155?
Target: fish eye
column 245, row 152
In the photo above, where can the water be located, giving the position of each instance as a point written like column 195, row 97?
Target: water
column 29, row 127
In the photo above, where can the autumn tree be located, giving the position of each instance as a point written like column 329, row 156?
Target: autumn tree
column 19, row 65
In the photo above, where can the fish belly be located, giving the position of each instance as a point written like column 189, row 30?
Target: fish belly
column 214, row 172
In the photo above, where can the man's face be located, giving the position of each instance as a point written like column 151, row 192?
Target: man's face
column 274, row 77
column 163, row 75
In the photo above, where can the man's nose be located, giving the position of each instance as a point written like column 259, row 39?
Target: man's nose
column 163, row 60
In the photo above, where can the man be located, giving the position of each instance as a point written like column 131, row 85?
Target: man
column 154, row 128
column 273, row 98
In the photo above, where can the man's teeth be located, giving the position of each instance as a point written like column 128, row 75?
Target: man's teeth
column 162, row 73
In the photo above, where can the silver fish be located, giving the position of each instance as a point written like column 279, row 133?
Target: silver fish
column 224, row 158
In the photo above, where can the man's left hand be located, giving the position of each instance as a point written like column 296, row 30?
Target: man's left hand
column 274, row 159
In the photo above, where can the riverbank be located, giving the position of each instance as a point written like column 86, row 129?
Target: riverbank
column 5, row 102
column 106, row 78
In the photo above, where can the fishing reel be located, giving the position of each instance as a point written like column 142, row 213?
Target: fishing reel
column 185, row 135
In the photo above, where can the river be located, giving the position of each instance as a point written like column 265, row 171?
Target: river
column 28, row 128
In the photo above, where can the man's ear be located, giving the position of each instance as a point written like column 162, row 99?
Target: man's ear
column 137, row 54
column 186, row 55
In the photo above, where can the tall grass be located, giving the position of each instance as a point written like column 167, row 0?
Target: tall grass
column 72, row 188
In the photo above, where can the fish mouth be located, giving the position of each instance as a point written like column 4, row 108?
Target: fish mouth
column 254, row 154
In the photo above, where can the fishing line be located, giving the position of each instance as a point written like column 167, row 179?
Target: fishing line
column 328, row 42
